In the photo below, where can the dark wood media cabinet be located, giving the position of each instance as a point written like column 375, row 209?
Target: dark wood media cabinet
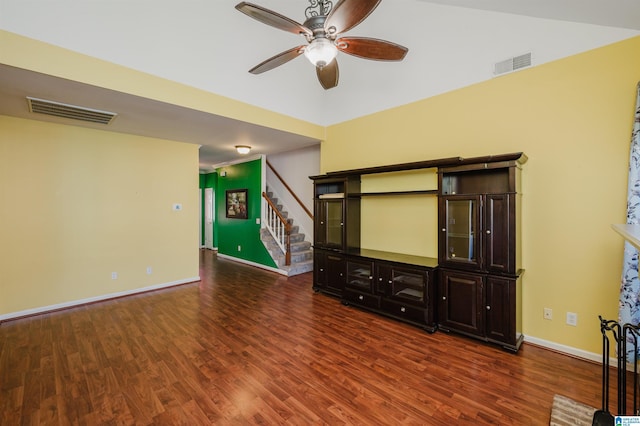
column 472, row 288
column 392, row 284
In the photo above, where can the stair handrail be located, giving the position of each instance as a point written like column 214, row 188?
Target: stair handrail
column 289, row 189
column 279, row 228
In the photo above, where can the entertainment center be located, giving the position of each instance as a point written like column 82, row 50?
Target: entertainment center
column 473, row 287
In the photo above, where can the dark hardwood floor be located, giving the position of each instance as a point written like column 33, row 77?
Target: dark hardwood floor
column 247, row 346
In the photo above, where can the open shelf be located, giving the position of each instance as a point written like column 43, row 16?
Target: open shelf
column 384, row 193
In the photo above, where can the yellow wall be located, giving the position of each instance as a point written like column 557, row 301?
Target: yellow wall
column 397, row 216
column 573, row 119
column 78, row 204
column 23, row 52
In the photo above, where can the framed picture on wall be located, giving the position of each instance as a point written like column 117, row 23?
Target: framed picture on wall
column 236, row 203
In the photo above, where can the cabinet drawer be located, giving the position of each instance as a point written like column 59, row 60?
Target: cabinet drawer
column 360, row 298
column 406, row 311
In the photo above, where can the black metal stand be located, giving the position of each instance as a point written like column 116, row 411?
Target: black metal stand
column 625, row 338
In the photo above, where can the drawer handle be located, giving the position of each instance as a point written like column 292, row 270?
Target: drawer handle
column 390, row 282
column 488, row 308
column 488, row 231
column 402, row 309
column 370, row 278
column 361, row 297
column 444, row 229
column 379, row 279
column 321, row 270
column 444, row 298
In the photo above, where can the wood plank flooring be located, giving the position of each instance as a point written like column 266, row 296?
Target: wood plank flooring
column 247, row 346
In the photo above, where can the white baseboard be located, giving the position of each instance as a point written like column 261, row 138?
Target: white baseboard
column 579, row 353
column 58, row 306
column 257, row 265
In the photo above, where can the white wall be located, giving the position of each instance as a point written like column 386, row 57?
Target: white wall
column 295, row 167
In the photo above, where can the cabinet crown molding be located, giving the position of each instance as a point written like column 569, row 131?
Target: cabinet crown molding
column 517, row 157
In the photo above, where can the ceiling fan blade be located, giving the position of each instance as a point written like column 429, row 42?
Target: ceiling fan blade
column 272, row 18
column 349, row 13
column 328, row 75
column 371, row 48
column 277, row 60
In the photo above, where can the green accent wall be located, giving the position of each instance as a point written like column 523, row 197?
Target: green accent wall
column 245, row 233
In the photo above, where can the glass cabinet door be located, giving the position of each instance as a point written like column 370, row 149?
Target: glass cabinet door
column 359, row 275
column 328, row 224
column 334, row 223
column 408, row 285
column 461, row 227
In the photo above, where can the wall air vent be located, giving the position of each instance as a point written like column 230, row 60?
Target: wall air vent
column 73, row 112
column 512, row 64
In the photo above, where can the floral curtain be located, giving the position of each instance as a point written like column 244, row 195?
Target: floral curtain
column 629, row 310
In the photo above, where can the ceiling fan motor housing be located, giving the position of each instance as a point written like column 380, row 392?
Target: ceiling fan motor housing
column 316, row 25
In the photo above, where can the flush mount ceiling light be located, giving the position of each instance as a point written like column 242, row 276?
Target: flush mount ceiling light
column 243, row 149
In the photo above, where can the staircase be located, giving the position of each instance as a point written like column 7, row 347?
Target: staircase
column 301, row 254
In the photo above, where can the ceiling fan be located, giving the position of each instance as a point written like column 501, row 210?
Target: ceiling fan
column 322, row 28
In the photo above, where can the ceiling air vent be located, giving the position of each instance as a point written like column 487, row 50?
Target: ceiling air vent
column 73, row 112
column 512, row 64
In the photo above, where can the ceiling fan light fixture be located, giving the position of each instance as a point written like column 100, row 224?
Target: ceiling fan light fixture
column 243, row 149
column 320, row 52
column 322, row 31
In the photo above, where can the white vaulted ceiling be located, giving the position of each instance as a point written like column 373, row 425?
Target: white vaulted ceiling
column 209, row 45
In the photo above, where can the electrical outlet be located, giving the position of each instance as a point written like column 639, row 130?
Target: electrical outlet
column 572, row 318
column 547, row 313
column 149, row 270
column 114, row 275
column 239, row 248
